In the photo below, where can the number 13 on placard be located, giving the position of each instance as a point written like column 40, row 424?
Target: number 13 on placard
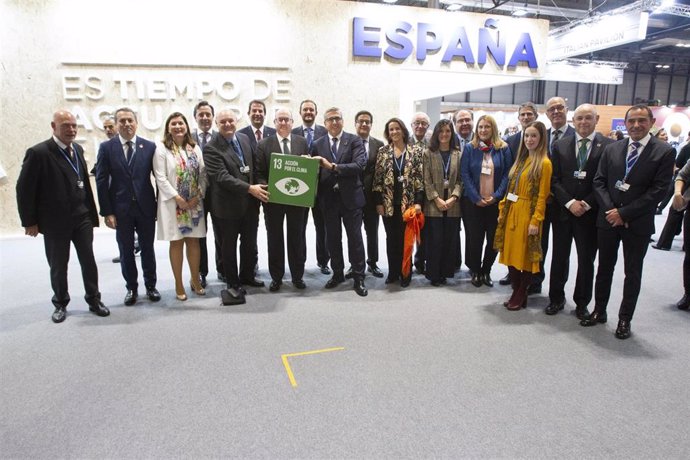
column 278, row 163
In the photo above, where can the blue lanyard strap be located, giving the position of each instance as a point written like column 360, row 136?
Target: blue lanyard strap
column 75, row 164
column 400, row 164
column 238, row 150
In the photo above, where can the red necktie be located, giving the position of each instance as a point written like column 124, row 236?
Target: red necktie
column 258, row 135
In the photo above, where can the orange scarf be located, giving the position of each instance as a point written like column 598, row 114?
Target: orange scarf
column 413, row 231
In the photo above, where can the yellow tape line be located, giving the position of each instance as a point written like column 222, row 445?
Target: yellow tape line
column 286, row 363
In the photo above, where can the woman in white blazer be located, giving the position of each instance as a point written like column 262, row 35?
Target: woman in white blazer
column 178, row 166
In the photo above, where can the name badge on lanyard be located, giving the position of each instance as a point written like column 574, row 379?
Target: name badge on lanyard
column 622, row 186
column 486, row 170
column 580, row 175
column 244, row 169
column 512, row 197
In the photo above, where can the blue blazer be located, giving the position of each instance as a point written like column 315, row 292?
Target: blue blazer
column 351, row 162
column 249, row 132
column 471, row 169
column 118, row 183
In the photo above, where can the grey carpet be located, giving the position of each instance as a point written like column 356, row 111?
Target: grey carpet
column 426, row 372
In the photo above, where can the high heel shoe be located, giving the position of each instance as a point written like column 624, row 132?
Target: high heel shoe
column 197, row 291
column 181, row 297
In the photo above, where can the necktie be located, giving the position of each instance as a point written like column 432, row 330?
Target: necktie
column 258, row 135
column 633, row 155
column 70, row 152
column 310, row 137
column 334, row 148
column 554, row 136
column 202, row 140
column 129, row 152
column 582, row 153
column 286, row 147
column 366, row 149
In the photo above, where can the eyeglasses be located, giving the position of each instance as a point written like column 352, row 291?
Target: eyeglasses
column 422, row 124
column 283, row 120
column 556, row 108
column 334, row 119
column 364, row 122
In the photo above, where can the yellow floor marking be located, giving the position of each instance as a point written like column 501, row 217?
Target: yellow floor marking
column 285, row 357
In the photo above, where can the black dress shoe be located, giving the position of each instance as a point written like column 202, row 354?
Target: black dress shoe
column 554, row 307
column 324, row 269
column 420, row 268
column 684, row 303
column 534, row 289
column 476, row 280
column 623, row 329
column 405, row 281
column 360, row 289
column 222, row 278
column 505, row 281
column 486, row 279
column 334, row 281
column 131, row 298
column 595, row 318
column 656, row 246
column 299, row 284
column 153, row 294
column 274, row 286
column 581, row 312
column 374, row 270
column 99, row 309
column 348, row 274
column 202, row 280
column 59, row 314
column 391, row 279
column 253, row 283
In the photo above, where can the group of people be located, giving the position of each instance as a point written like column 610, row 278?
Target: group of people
column 507, row 193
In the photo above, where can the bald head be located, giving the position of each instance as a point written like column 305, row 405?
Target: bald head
column 585, row 119
column 64, row 126
column 556, row 111
column 420, row 124
column 283, row 122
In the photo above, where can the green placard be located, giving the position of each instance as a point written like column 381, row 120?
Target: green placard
column 292, row 180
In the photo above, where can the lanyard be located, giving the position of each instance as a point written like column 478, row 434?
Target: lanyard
column 446, row 165
column 238, row 150
column 628, row 166
column 75, row 165
column 400, row 164
column 517, row 177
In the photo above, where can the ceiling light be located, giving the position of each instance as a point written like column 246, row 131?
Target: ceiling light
column 658, row 66
column 390, row 1
column 519, row 13
column 665, row 66
column 454, row 7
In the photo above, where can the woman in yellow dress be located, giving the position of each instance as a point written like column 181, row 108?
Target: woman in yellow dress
column 521, row 213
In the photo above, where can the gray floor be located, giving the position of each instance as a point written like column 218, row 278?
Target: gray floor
column 425, row 372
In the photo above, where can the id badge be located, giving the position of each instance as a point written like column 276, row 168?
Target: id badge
column 512, row 197
column 244, row 169
column 622, row 186
column 80, row 184
column 400, row 179
column 486, row 171
column 446, row 183
column 580, row 174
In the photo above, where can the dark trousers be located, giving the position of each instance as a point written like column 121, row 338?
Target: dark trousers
column 441, row 245
column 57, row 249
column 672, row 227
column 395, row 240
column 322, row 256
column 145, row 228
column 480, row 228
column 538, row 278
column 243, row 228
column 420, row 253
column 336, row 216
column 371, row 228
column 584, row 230
column 686, row 248
column 293, row 217
column 634, row 250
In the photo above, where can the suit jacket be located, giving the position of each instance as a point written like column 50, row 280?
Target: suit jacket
column 119, row 183
column 564, row 185
column 230, row 198
column 433, row 182
column 195, row 136
column 249, row 131
column 46, row 189
column 271, row 144
column 319, row 131
column 648, row 181
column 368, row 173
column 569, row 131
column 351, row 160
column 514, row 142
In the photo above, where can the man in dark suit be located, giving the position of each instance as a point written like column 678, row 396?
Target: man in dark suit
column 464, row 127
column 556, row 112
column 277, row 214
column 54, row 197
column 632, row 178
column 235, row 200
column 363, row 122
column 256, row 131
column 311, row 132
column 128, row 201
column 341, row 196
column 203, row 114
column 575, row 160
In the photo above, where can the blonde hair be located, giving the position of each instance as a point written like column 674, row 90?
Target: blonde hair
column 495, row 137
column 534, row 173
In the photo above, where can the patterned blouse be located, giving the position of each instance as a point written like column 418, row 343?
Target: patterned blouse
column 413, row 178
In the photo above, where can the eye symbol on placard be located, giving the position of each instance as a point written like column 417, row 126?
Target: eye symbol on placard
column 292, row 186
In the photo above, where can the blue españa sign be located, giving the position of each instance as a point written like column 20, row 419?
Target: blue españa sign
column 366, row 37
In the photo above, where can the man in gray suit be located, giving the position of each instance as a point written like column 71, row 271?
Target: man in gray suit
column 235, row 198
